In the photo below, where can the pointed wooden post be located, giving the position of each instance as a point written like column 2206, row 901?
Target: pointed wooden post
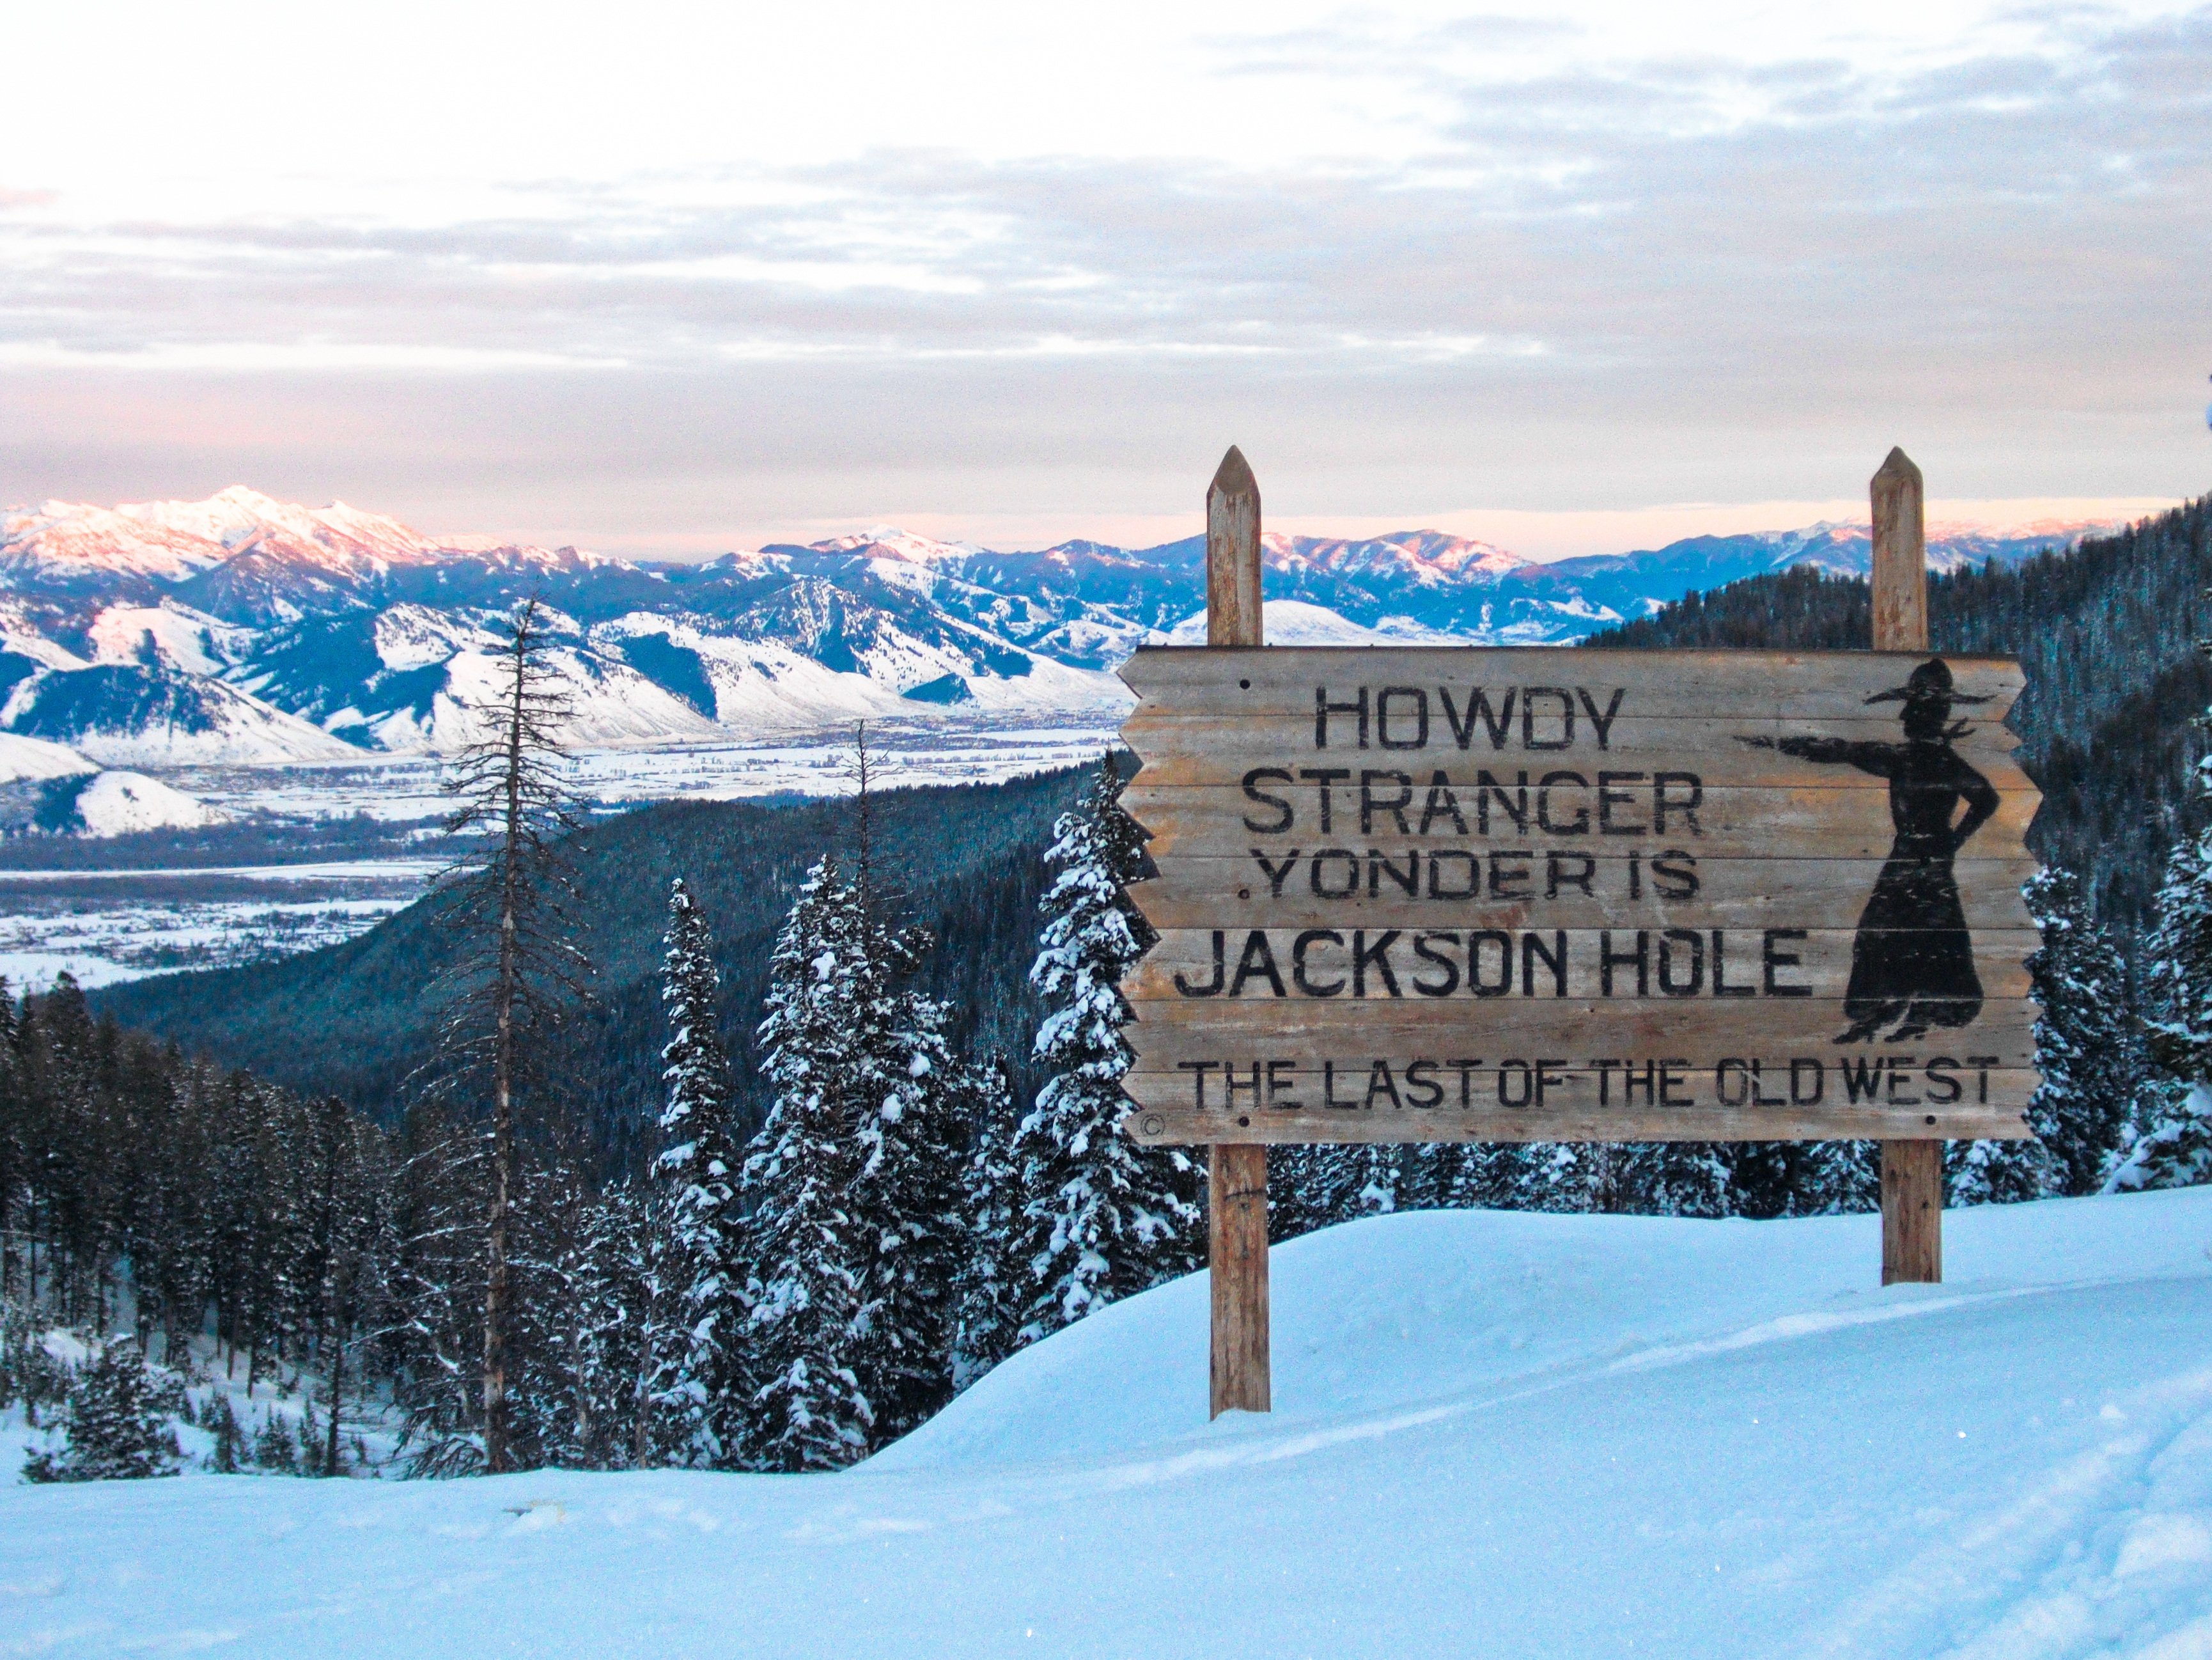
column 1236, row 1176
column 1911, row 1171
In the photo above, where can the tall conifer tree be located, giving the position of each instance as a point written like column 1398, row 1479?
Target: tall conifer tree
column 698, row 1386
column 1101, row 1217
column 519, row 971
column 810, row 1250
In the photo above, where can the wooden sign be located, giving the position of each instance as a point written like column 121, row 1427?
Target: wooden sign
column 1565, row 895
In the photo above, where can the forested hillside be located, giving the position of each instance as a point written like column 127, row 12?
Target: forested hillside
column 355, row 1020
column 2116, row 682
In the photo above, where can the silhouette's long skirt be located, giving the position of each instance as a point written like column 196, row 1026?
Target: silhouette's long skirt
column 1912, row 948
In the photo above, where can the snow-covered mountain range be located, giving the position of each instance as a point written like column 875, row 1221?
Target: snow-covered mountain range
column 245, row 629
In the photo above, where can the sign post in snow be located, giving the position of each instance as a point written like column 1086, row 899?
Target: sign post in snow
column 1498, row 895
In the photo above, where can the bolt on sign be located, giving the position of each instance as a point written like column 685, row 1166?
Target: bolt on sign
column 1446, row 895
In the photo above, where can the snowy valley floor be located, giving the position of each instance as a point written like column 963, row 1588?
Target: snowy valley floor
column 1497, row 1435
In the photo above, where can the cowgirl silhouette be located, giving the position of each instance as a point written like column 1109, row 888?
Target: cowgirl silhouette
column 1912, row 959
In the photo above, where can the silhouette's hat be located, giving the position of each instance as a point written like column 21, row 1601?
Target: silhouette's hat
column 1929, row 684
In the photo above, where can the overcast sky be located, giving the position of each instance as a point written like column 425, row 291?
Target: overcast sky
column 668, row 279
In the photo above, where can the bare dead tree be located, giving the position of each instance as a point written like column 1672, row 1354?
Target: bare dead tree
column 519, row 973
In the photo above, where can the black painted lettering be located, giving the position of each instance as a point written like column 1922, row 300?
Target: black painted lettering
column 1328, row 856
column 1681, row 963
column 1442, row 799
column 1510, row 881
column 1721, row 987
column 1379, row 1081
column 1419, row 718
column 1674, row 874
column 1422, row 1089
column 1220, row 973
column 1198, row 1069
column 1579, row 824
column 1676, row 792
column 1515, row 806
column 1601, row 724
column 1252, row 793
column 1425, row 948
column 1557, row 875
column 1303, row 965
column 1499, row 724
column 1476, row 983
column 1325, row 777
column 1256, row 962
column 1565, row 741
column 1395, row 806
column 1775, row 960
column 1323, row 708
column 1375, row 955
column 1407, row 881
column 1609, row 796
column 1608, row 959
column 1532, row 952
column 1471, row 868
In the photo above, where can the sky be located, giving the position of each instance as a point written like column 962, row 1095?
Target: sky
column 668, row 279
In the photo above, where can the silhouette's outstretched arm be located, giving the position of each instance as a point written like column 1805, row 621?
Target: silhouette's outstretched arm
column 1880, row 759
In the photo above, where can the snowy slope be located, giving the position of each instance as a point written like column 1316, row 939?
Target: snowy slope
column 118, row 804
column 35, row 757
column 1510, row 1435
column 1295, row 622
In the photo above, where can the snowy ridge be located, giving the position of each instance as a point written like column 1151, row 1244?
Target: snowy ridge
column 245, row 630
column 1494, row 1433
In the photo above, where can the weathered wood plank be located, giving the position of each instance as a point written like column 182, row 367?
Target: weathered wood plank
column 1444, row 1084
column 1218, row 750
column 1283, row 679
column 1271, row 966
column 1309, row 1028
column 1237, row 764
column 1166, row 1126
column 1272, row 886
column 1736, row 823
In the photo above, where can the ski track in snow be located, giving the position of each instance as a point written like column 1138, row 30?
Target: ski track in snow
column 1497, row 1435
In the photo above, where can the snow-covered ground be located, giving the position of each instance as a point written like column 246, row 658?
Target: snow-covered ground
column 119, row 924
column 104, row 926
column 1495, row 1435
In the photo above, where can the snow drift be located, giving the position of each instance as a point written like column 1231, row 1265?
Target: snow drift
column 1511, row 1434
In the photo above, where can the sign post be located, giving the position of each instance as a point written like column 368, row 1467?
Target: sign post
column 1463, row 894
column 1236, row 1172
column 1911, row 1171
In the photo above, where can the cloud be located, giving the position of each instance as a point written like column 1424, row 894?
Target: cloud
column 1595, row 282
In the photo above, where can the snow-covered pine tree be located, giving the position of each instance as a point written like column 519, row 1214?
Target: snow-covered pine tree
column 1675, row 1178
column 119, row 1423
column 810, row 1255
column 2088, row 1043
column 1102, row 1218
column 696, row 1387
column 1835, row 1178
column 992, row 1282
column 609, row 1328
column 2089, row 1048
column 2174, row 1148
column 1322, row 1184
